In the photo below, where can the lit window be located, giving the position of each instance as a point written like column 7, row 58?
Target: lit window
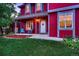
column 16, row 28
column 68, row 21
column 27, row 8
column 29, row 25
column 38, row 6
column 65, row 20
column 61, row 21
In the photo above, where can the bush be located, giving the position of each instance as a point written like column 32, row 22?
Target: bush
column 77, row 45
column 68, row 42
column 72, row 43
column 1, row 34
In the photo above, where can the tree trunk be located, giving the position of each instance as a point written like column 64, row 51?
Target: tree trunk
column 4, row 30
column 1, row 31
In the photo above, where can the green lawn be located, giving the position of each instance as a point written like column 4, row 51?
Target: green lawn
column 25, row 47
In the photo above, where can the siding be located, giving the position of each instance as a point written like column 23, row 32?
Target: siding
column 22, row 11
column 60, row 5
column 65, row 33
column 45, row 7
column 53, row 25
column 77, row 23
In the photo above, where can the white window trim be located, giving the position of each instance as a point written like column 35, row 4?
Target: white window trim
column 65, row 13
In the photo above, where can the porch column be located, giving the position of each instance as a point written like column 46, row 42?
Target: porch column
column 35, row 27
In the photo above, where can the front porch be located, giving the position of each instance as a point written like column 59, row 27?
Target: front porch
column 37, row 25
column 42, row 36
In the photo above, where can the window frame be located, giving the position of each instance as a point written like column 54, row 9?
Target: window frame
column 40, row 7
column 65, row 13
column 29, row 8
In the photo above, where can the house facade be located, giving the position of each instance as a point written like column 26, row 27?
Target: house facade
column 53, row 19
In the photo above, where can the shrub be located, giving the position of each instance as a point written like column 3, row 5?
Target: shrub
column 68, row 42
column 72, row 43
column 1, row 34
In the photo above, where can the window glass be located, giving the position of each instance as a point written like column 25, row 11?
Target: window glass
column 16, row 28
column 62, row 21
column 29, row 25
column 27, row 9
column 68, row 21
column 65, row 20
column 38, row 6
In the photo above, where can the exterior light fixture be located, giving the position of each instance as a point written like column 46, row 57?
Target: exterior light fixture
column 37, row 20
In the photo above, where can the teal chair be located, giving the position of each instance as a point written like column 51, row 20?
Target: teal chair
column 22, row 30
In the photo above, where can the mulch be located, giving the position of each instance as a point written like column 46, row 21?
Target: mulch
column 17, row 36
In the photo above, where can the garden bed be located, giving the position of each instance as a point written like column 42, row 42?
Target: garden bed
column 17, row 36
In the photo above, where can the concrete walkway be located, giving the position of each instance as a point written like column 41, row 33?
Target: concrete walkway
column 43, row 36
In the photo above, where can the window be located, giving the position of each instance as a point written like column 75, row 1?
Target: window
column 62, row 21
column 29, row 25
column 16, row 29
column 65, row 20
column 27, row 8
column 69, row 21
column 38, row 6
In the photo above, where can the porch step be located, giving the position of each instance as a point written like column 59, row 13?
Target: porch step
column 22, row 34
column 46, row 37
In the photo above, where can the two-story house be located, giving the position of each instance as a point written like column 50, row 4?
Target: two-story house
column 33, row 19
column 53, row 19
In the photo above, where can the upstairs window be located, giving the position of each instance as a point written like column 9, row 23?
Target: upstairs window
column 38, row 6
column 65, row 20
column 27, row 8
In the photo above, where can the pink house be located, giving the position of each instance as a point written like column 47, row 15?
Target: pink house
column 53, row 19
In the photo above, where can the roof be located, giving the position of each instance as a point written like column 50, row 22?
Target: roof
column 22, row 5
column 32, row 15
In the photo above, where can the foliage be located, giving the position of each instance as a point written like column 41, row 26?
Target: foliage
column 72, row 43
column 68, row 41
column 6, row 11
column 76, row 46
column 1, row 34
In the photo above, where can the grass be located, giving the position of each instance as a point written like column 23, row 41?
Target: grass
column 34, row 47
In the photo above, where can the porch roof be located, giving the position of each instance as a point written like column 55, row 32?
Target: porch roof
column 31, row 15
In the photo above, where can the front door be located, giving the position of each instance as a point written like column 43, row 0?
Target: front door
column 43, row 27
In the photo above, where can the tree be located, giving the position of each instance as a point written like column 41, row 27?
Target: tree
column 6, row 10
